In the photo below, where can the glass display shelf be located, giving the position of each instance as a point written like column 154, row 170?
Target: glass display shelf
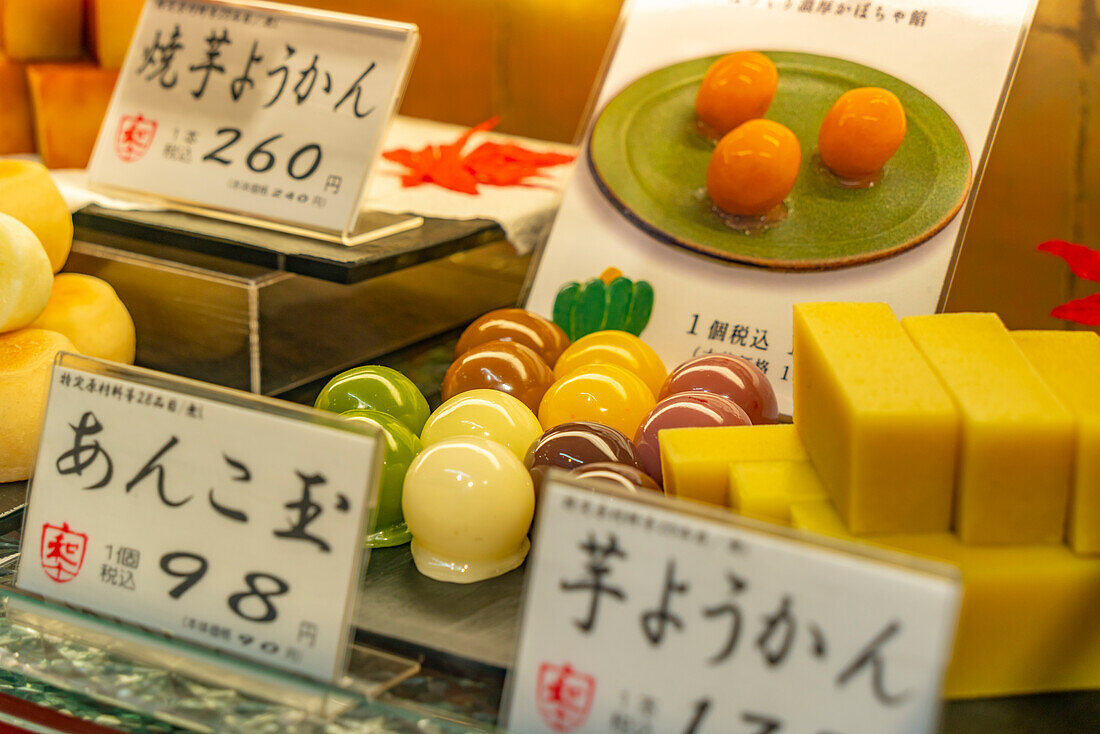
column 91, row 668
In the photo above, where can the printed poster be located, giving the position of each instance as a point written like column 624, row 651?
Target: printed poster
column 639, row 243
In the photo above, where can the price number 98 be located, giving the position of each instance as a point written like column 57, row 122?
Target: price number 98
column 252, row 603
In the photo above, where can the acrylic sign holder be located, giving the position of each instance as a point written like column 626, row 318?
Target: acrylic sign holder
column 148, row 671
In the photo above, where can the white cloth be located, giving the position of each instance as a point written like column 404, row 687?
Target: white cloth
column 523, row 212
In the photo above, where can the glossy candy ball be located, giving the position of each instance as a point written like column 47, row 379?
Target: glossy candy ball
column 598, row 393
column 572, row 445
column 753, row 168
column 861, row 132
column 468, row 503
column 374, row 387
column 686, row 410
column 516, row 325
column 629, row 478
column 509, row 367
column 402, row 446
column 736, row 88
column 619, row 348
column 733, row 377
column 487, row 413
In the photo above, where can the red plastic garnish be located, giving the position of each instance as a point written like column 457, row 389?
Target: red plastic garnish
column 1082, row 310
column 1085, row 263
column 494, row 164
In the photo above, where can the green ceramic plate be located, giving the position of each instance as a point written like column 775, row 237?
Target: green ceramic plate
column 651, row 163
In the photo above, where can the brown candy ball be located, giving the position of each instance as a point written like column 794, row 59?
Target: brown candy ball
column 628, row 477
column 509, row 367
column 572, row 445
column 516, row 325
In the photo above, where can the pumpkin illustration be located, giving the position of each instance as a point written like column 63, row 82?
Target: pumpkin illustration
column 608, row 302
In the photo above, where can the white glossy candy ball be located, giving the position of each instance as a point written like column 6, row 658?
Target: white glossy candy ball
column 468, row 503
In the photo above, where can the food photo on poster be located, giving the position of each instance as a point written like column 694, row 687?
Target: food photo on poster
column 694, row 366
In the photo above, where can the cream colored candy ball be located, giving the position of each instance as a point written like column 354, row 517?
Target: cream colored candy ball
column 25, row 275
column 89, row 312
column 490, row 414
column 26, row 358
column 468, row 503
column 28, row 193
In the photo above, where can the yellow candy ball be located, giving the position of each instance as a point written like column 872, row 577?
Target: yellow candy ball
column 602, row 393
column 468, row 503
column 619, row 348
column 738, row 87
column 861, row 132
column 754, row 168
column 490, row 414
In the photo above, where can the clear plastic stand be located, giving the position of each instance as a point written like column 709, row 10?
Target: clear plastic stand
column 310, row 178
column 140, row 661
column 179, row 684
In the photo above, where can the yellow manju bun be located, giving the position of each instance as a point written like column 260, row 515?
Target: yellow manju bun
column 26, row 357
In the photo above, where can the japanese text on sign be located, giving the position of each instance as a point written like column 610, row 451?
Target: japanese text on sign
column 861, row 10
column 719, row 336
column 234, row 528
column 641, row 619
column 287, row 107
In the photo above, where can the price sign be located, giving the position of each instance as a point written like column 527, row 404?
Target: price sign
column 639, row 618
column 254, row 108
column 229, row 521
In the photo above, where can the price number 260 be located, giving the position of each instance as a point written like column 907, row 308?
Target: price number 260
column 302, row 164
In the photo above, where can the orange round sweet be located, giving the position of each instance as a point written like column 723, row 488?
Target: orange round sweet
column 754, row 168
column 736, row 88
column 861, row 131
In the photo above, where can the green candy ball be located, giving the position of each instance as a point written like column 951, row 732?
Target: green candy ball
column 402, row 446
column 374, row 387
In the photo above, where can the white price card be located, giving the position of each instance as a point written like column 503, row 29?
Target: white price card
column 254, row 108
column 641, row 618
column 222, row 519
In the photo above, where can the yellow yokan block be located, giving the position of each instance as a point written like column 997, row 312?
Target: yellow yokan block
column 1028, row 618
column 112, row 25
column 41, row 30
column 1069, row 363
column 1017, row 448
column 695, row 461
column 70, row 102
column 765, row 490
column 879, row 427
column 16, row 122
column 819, row 516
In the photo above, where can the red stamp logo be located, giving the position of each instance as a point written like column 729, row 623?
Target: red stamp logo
column 62, row 552
column 564, row 696
column 135, row 137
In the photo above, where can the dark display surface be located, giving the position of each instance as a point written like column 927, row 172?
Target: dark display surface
column 435, row 239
